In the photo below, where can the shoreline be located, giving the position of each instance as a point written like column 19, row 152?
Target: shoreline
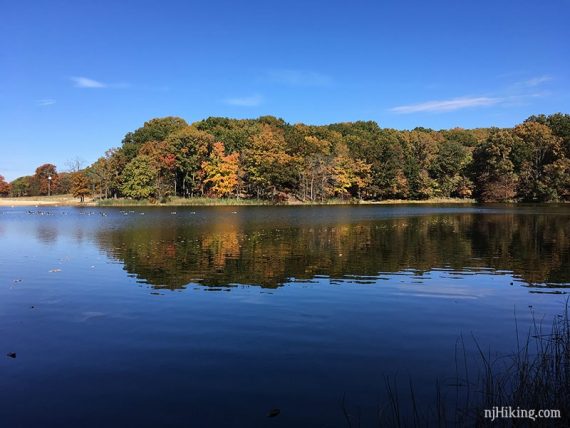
column 43, row 201
column 68, row 201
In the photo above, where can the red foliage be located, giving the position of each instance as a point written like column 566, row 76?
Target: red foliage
column 5, row 187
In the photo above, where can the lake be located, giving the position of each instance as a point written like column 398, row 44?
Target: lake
column 214, row 316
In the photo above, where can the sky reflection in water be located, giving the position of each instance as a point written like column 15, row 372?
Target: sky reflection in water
column 213, row 316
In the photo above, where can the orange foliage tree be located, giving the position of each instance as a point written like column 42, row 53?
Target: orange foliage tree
column 5, row 187
column 221, row 171
column 46, row 179
column 80, row 185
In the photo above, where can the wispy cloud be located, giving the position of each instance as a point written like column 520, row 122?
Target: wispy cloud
column 447, row 105
column 299, row 78
column 86, row 82
column 251, row 101
column 535, row 81
column 45, row 102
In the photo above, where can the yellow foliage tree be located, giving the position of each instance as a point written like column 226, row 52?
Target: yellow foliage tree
column 348, row 173
column 221, row 171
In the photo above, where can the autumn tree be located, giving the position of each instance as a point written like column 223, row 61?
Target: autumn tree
column 64, row 183
column 115, row 163
column 316, row 168
column 5, row 187
column 234, row 133
column 163, row 164
column 420, row 149
column 557, row 180
column 448, row 169
column 80, row 185
column 388, row 179
column 101, row 174
column 221, row 171
column 190, row 148
column 493, row 169
column 381, row 149
column 46, row 179
column 351, row 159
column 464, row 137
column 559, row 124
column 536, row 149
column 266, row 162
column 350, row 177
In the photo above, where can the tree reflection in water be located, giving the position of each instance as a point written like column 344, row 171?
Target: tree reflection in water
column 534, row 247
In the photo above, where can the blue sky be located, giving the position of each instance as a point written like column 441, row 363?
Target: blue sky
column 76, row 76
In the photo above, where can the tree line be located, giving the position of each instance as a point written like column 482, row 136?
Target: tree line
column 270, row 159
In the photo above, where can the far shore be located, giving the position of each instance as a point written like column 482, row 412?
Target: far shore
column 43, row 201
column 70, row 201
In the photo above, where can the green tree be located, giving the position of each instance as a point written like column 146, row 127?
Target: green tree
column 157, row 129
column 234, row 133
column 139, row 178
column 21, row 186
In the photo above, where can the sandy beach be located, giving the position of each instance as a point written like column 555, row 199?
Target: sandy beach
column 58, row 200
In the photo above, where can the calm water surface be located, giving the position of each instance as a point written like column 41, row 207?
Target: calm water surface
column 212, row 316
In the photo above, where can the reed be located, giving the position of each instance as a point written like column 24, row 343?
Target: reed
column 536, row 375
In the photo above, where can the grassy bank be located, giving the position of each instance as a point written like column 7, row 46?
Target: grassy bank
column 69, row 200
column 204, row 201
column 179, row 202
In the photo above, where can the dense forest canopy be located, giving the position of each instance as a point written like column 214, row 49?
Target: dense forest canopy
column 270, row 159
